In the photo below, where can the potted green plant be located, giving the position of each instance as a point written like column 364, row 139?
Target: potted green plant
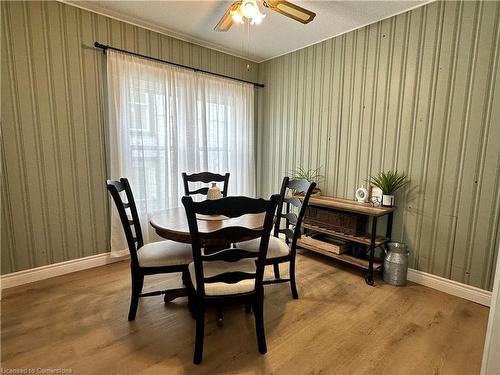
column 389, row 182
column 311, row 175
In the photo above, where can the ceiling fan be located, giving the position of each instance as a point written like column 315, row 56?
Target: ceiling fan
column 241, row 9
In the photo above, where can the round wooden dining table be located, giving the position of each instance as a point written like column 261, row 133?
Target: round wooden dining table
column 172, row 224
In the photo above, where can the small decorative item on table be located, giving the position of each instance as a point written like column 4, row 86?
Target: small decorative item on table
column 214, row 192
column 362, row 194
column 389, row 182
column 311, row 175
column 376, row 196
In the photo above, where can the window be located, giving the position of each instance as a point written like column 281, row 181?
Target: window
column 165, row 120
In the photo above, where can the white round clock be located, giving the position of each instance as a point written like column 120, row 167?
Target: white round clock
column 362, row 195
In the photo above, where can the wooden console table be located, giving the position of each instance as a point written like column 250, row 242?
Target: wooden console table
column 370, row 239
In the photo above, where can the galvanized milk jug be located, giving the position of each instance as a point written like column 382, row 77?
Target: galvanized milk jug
column 396, row 264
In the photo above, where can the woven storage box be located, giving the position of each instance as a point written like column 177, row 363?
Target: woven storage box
column 343, row 222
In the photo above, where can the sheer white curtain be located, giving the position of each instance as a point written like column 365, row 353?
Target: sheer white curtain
column 166, row 120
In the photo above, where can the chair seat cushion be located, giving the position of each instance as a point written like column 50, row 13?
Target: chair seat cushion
column 277, row 247
column 164, row 253
column 217, row 267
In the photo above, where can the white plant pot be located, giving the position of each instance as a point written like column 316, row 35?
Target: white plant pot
column 388, row 200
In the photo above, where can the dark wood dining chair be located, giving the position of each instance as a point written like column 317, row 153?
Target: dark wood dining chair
column 147, row 259
column 205, row 177
column 283, row 250
column 229, row 275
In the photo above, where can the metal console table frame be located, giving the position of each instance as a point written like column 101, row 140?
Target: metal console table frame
column 371, row 239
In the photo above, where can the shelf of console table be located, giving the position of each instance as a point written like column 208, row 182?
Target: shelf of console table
column 369, row 239
column 365, row 240
column 312, row 244
column 347, row 205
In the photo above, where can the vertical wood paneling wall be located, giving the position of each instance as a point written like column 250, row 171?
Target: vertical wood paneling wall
column 419, row 92
column 54, row 202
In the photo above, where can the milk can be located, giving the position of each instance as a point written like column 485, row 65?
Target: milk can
column 396, row 264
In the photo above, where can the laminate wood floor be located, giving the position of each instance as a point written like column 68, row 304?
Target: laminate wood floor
column 338, row 326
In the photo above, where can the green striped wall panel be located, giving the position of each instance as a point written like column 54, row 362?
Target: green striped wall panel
column 419, row 92
column 54, row 202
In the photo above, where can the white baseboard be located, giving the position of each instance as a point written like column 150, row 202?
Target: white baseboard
column 40, row 273
column 471, row 293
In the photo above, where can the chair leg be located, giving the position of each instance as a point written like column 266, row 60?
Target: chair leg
column 276, row 267
column 137, row 283
column 185, row 277
column 293, row 285
column 258, row 311
column 248, row 307
column 200, row 333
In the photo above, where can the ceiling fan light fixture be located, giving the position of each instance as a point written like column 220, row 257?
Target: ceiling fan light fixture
column 257, row 19
column 249, row 8
column 237, row 16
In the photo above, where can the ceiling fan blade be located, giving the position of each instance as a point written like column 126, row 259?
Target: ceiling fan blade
column 290, row 10
column 226, row 20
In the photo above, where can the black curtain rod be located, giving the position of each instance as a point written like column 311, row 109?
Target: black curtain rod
column 105, row 47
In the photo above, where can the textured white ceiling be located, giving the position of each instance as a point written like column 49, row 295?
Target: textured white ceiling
column 194, row 21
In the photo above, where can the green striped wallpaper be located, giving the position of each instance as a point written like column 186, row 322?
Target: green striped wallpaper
column 54, row 203
column 419, row 92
